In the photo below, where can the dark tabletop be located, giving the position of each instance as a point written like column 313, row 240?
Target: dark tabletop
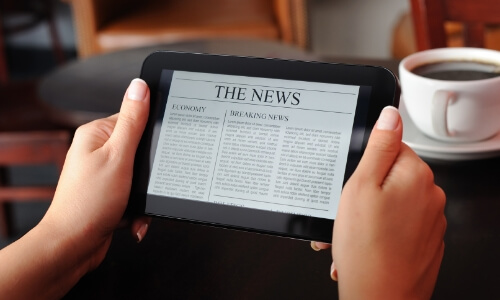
column 91, row 88
column 178, row 260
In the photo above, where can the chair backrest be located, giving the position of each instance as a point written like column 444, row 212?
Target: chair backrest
column 429, row 17
column 109, row 25
column 33, row 12
column 31, row 148
column 27, row 135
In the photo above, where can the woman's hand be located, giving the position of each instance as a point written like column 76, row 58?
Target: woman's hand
column 94, row 186
column 92, row 194
column 388, row 235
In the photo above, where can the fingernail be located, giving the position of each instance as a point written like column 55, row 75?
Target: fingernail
column 333, row 272
column 141, row 232
column 389, row 118
column 314, row 247
column 137, row 90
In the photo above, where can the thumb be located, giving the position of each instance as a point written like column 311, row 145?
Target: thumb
column 132, row 117
column 383, row 146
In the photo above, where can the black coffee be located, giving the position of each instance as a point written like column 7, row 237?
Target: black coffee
column 458, row 70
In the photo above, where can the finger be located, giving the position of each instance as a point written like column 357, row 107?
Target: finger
column 383, row 146
column 317, row 246
column 333, row 272
column 132, row 118
column 93, row 135
column 113, row 119
column 140, row 227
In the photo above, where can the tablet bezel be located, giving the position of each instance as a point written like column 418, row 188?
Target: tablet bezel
column 384, row 91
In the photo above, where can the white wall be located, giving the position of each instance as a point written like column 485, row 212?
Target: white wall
column 354, row 28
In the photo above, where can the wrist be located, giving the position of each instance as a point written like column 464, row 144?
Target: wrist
column 61, row 258
column 381, row 285
column 76, row 248
column 44, row 264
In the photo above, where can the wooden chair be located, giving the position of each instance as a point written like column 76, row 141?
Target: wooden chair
column 27, row 136
column 430, row 16
column 32, row 13
column 108, row 25
column 437, row 23
column 28, row 148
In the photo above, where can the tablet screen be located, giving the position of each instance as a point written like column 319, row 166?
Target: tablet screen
column 267, row 144
column 255, row 144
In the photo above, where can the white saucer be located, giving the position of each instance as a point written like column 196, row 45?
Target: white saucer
column 427, row 147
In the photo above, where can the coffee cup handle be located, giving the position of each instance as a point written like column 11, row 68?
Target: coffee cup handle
column 440, row 102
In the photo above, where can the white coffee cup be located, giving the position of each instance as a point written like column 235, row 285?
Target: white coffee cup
column 452, row 111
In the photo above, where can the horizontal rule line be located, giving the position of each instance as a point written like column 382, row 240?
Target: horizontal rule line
column 260, row 201
column 259, row 104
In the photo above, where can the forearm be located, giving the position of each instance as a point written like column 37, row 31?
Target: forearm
column 91, row 197
column 372, row 287
column 43, row 264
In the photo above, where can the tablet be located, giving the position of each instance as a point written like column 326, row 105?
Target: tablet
column 262, row 145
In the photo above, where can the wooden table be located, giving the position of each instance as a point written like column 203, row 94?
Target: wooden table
column 179, row 260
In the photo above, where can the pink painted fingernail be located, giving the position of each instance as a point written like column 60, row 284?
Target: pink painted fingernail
column 137, row 90
column 314, row 246
column 141, row 232
column 333, row 272
column 388, row 119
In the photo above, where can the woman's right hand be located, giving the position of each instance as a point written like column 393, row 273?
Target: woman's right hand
column 388, row 234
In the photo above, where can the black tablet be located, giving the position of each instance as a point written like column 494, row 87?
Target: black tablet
column 262, row 145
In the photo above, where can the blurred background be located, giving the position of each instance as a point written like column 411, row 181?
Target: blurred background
column 39, row 36
column 337, row 27
column 65, row 62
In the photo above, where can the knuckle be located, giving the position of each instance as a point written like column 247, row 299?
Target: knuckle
column 422, row 170
column 84, row 129
column 427, row 172
column 441, row 198
column 445, row 226
column 384, row 146
column 128, row 117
